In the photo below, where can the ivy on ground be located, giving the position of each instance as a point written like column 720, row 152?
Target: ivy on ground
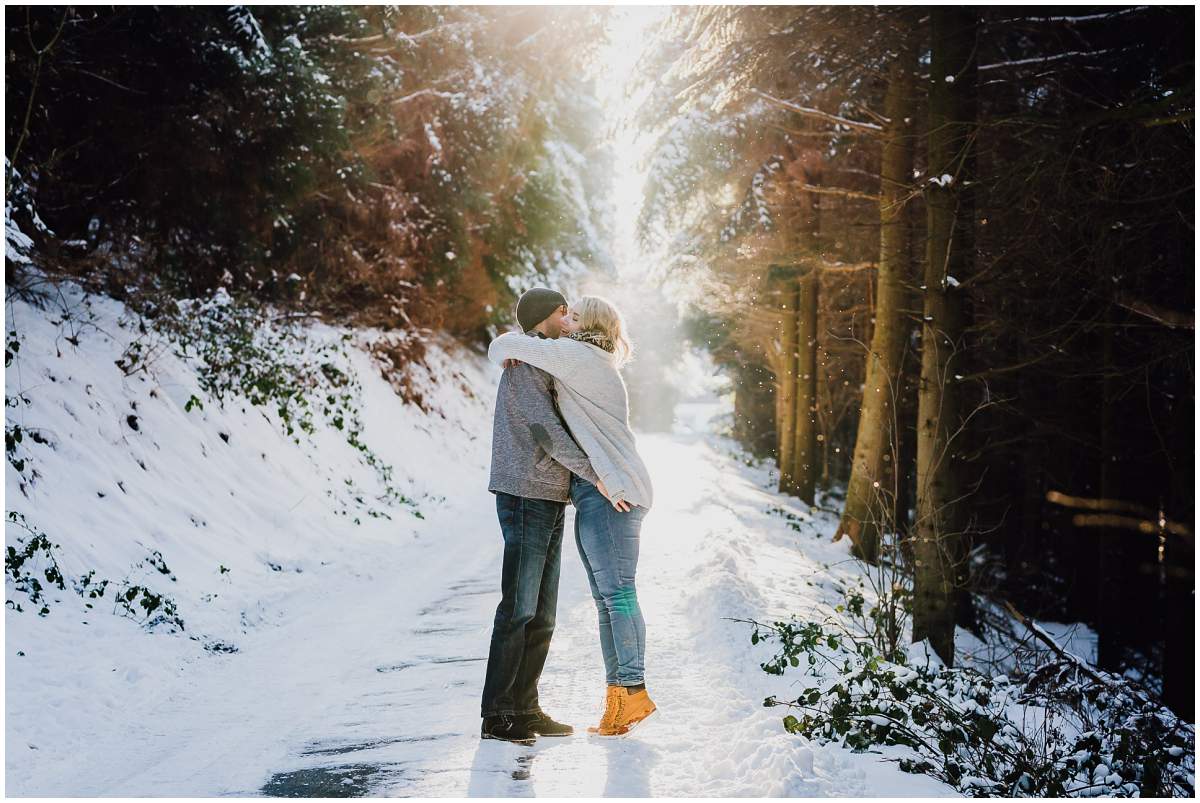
column 243, row 350
column 1098, row 735
column 14, row 433
column 33, row 559
column 37, row 549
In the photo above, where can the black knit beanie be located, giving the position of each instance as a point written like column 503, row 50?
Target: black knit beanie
column 535, row 306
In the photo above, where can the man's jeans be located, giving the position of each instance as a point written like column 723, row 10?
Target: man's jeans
column 524, row 623
column 608, row 545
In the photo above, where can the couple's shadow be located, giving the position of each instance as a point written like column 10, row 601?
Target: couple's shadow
column 629, row 764
column 503, row 769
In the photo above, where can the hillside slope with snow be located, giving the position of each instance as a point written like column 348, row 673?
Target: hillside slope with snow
column 215, row 508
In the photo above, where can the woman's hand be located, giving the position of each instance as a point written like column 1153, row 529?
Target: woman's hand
column 620, row 504
column 510, row 362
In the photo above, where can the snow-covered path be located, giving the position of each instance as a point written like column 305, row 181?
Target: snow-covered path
column 374, row 689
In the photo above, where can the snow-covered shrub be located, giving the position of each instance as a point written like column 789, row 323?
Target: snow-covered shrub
column 881, row 620
column 244, row 351
column 156, row 609
column 1124, row 735
column 1096, row 735
column 14, row 436
column 35, row 551
column 14, row 433
column 34, row 555
column 796, row 523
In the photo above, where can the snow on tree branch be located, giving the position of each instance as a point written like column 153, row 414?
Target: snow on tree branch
column 1107, row 15
column 820, row 115
column 1046, row 59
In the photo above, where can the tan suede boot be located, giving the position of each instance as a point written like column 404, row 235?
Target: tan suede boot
column 610, row 709
column 628, row 710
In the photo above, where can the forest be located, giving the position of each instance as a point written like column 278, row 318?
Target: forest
column 943, row 257
column 948, row 260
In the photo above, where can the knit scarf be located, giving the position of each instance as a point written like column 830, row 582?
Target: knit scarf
column 595, row 338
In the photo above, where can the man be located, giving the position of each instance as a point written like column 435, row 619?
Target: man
column 533, row 457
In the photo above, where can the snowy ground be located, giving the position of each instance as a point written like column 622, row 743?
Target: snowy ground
column 361, row 650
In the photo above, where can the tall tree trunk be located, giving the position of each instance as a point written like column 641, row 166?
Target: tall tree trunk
column 786, row 379
column 805, row 449
column 825, row 425
column 906, row 458
column 1108, row 638
column 754, row 397
column 940, row 546
column 870, row 498
column 806, row 231
column 742, row 426
column 1179, row 656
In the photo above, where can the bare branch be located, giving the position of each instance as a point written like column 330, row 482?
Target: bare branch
column 423, row 92
column 1045, row 59
column 1046, row 639
column 824, row 190
column 1087, row 503
column 1129, row 523
column 1108, row 15
column 1171, row 318
column 817, row 114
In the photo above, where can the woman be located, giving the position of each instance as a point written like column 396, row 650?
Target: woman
column 595, row 406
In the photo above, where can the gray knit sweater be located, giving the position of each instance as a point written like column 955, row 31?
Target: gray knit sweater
column 594, row 403
column 533, row 454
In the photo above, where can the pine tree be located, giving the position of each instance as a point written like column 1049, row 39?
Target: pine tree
column 939, row 549
column 872, row 492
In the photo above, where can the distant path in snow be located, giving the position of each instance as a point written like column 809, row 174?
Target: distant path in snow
column 376, row 692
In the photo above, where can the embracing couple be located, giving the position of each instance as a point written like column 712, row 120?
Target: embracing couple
column 561, row 433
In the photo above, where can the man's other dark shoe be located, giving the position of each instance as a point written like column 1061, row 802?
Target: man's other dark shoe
column 508, row 728
column 541, row 724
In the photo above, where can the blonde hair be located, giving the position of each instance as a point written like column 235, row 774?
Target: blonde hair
column 597, row 314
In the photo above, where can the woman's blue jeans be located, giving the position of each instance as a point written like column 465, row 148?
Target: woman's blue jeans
column 608, row 545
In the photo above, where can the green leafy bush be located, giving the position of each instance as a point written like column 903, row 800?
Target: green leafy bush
column 133, row 600
column 243, row 350
column 794, row 522
column 1097, row 734
column 37, row 550
column 14, row 433
column 143, row 605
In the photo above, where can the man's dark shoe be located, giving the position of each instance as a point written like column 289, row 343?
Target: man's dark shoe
column 541, row 724
column 509, row 728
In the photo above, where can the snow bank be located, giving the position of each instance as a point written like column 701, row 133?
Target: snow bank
column 243, row 517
